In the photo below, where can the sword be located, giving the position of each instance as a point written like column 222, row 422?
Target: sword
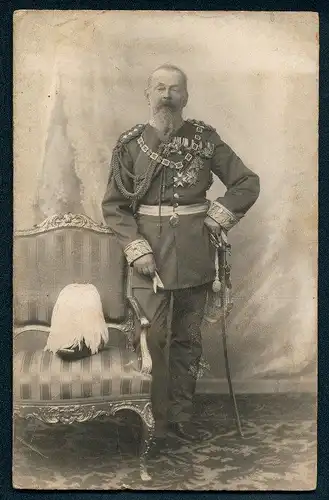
column 221, row 245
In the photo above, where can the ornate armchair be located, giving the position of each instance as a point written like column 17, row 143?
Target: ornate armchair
column 61, row 250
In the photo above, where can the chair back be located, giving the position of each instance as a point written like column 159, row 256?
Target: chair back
column 64, row 249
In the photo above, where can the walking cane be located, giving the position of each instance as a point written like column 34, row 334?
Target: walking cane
column 221, row 250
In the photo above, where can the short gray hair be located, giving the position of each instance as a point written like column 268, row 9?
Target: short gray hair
column 170, row 67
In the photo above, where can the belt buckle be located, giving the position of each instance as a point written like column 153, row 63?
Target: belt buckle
column 174, row 220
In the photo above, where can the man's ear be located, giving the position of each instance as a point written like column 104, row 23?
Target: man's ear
column 185, row 99
column 147, row 93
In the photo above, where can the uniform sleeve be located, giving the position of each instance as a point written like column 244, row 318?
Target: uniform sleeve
column 118, row 213
column 242, row 185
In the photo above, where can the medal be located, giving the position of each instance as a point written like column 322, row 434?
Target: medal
column 174, row 220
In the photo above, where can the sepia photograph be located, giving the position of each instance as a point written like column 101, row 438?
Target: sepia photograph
column 165, row 250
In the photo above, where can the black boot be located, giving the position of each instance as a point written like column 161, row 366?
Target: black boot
column 184, row 430
column 159, row 446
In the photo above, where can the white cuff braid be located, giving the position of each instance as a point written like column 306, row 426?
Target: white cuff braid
column 136, row 249
column 222, row 215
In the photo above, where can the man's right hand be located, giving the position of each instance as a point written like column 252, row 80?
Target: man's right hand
column 145, row 265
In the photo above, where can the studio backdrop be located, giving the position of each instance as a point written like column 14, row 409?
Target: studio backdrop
column 79, row 83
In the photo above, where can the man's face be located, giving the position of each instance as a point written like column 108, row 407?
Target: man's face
column 167, row 90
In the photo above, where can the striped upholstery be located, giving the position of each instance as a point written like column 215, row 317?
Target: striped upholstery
column 112, row 374
column 46, row 262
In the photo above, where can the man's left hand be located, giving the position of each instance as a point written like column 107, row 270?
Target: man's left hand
column 213, row 226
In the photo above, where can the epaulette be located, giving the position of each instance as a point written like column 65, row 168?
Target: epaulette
column 199, row 123
column 131, row 134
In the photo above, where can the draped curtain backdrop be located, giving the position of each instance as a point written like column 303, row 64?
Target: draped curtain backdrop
column 79, row 83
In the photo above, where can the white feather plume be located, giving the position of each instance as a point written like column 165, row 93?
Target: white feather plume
column 77, row 317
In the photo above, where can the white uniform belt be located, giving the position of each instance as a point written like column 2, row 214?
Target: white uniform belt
column 167, row 210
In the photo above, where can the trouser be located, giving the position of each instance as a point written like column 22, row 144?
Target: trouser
column 173, row 386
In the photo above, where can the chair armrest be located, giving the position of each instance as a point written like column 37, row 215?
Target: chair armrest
column 18, row 330
column 140, row 315
column 145, row 324
column 27, row 337
column 34, row 336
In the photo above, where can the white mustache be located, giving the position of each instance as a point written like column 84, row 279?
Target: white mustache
column 165, row 103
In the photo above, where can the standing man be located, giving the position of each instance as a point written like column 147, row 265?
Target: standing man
column 156, row 205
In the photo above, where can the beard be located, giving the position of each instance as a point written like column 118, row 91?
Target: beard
column 163, row 116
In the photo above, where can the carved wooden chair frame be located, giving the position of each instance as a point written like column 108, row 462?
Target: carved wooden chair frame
column 59, row 412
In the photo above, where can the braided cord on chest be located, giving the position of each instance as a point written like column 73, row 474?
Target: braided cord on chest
column 154, row 166
column 117, row 167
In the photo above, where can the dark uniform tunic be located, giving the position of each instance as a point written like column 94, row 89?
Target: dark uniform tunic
column 183, row 170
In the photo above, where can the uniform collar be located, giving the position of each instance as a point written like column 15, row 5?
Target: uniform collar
column 175, row 132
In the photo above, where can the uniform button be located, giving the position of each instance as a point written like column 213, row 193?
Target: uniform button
column 176, row 196
column 175, row 205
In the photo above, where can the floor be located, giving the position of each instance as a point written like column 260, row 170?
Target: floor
column 278, row 451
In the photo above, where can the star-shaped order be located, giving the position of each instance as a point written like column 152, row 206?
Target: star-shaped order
column 178, row 179
column 191, row 177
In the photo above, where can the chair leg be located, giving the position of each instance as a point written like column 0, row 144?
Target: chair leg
column 147, row 441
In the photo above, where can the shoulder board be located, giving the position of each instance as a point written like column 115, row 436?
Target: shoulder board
column 130, row 134
column 199, row 123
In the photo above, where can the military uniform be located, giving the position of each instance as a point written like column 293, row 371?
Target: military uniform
column 155, row 202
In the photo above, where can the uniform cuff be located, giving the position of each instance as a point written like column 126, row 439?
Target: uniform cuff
column 222, row 215
column 136, row 249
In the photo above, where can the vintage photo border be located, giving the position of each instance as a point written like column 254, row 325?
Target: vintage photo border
column 6, row 226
